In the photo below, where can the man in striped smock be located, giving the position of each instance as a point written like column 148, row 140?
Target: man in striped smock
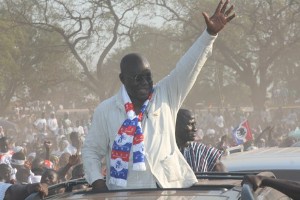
column 200, row 157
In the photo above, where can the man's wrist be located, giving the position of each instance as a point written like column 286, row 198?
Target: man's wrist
column 211, row 32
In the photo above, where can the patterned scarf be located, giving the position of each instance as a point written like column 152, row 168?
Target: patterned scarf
column 129, row 135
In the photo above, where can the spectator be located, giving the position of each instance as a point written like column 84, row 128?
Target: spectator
column 200, row 157
column 41, row 123
column 76, row 143
column 5, row 153
column 52, row 124
column 67, row 124
column 22, row 175
column 20, row 191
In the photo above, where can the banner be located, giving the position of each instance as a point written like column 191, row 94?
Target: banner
column 242, row 133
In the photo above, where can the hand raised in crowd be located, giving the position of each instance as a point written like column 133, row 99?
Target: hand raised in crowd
column 41, row 188
column 27, row 164
column 219, row 19
column 74, row 160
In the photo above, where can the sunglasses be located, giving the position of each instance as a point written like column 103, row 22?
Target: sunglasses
column 141, row 77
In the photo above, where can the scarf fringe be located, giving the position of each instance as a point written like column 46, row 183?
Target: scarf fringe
column 139, row 167
column 118, row 182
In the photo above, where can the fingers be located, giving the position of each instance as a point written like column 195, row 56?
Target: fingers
column 219, row 6
column 224, row 6
column 227, row 13
column 230, row 17
column 206, row 17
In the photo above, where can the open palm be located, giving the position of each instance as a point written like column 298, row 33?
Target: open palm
column 219, row 19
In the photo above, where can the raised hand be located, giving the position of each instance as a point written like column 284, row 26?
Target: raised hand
column 219, row 19
column 41, row 188
column 74, row 160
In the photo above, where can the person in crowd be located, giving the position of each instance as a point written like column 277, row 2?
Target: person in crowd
column 78, row 128
column 62, row 145
column 21, row 191
column 135, row 129
column 220, row 122
column 41, row 123
column 5, row 153
column 51, row 177
column 64, row 172
column 76, row 143
column 18, row 160
column 52, row 124
column 200, row 157
column 287, row 187
column 67, row 124
column 54, row 160
column 37, row 169
column 5, row 173
column 223, row 144
column 22, row 175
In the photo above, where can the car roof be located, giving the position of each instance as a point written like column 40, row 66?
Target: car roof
column 226, row 187
column 265, row 159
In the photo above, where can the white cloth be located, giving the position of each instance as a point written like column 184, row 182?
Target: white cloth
column 70, row 149
column 164, row 162
column 53, row 125
column 79, row 129
column 40, row 124
column 219, row 121
column 3, row 188
column 6, row 157
column 34, row 178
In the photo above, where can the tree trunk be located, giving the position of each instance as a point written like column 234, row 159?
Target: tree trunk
column 258, row 98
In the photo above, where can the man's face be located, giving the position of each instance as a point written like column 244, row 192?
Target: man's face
column 49, row 177
column 138, row 82
column 76, row 141
column 187, row 127
column 5, row 172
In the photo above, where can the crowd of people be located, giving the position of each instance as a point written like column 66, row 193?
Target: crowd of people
column 269, row 128
column 47, row 150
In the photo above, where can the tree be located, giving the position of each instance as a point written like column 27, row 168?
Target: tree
column 9, row 70
column 255, row 44
column 90, row 29
column 32, row 63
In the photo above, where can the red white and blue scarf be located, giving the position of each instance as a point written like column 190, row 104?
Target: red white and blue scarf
column 129, row 135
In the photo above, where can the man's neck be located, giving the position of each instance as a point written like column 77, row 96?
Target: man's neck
column 137, row 106
column 181, row 143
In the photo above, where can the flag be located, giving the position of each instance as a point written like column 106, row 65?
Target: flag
column 242, row 133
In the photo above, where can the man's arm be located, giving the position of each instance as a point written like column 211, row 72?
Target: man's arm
column 21, row 192
column 287, row 187
column 73, row 160
column 183, row 77
column 94, row 149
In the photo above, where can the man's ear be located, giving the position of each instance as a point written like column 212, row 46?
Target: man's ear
column 121, row 77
